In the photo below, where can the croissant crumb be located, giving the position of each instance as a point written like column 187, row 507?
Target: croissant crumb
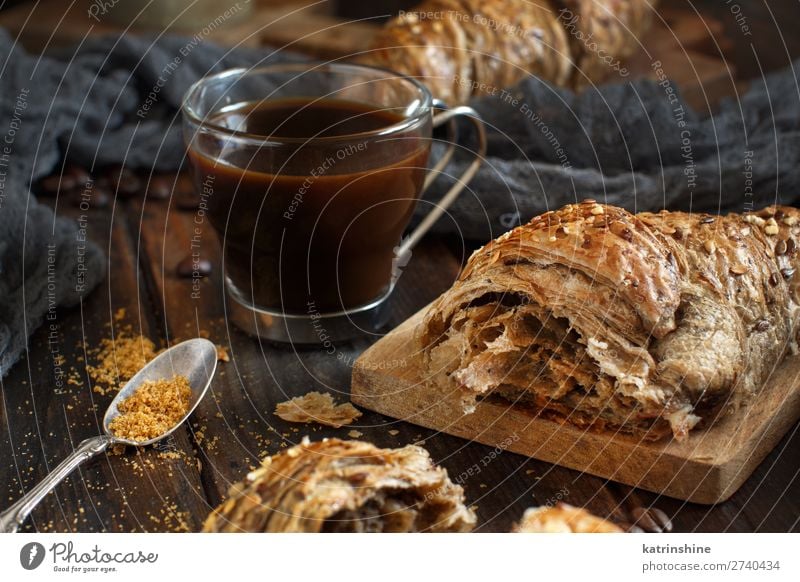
column 563, row 518
column 317, row 407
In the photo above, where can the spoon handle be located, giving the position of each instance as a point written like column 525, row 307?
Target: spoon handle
column 12, row 518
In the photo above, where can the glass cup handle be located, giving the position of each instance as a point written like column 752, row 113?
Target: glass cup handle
column 446, row 116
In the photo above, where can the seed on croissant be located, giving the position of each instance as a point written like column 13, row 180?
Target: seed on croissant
column 771, row 227
column 753, row 219
column 738, row 269
column 762, row 325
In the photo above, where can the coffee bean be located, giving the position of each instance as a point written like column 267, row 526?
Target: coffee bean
column 191, row 267
column 95, row 197
column 651, row 519
column 74, row 197
column 662, row 518
column 50, row 185
column 204, row 267
column 57, row 183
column 79, row 174
column 630, row 528
column 101, row 197
column 185, row 267
column 159, row 187
column 184, row 194
column 187, row 202
column 643, row 520
column 124, row 182
column 184, row 184
column 68, row 182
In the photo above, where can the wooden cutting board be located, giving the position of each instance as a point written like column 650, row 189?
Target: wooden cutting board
column 708, row 467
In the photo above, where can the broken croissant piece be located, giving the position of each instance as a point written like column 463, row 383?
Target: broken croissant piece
column 645, row 323
column 317, row 407
column 344, row 486
column 461, row 48
column 563, row 518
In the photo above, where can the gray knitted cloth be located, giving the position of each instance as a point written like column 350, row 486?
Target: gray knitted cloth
column 634, row 144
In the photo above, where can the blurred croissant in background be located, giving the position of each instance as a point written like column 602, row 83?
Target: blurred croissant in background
column 461, row 48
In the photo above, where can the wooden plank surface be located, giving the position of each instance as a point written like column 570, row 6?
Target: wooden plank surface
column 235, row 426
column 707, row 467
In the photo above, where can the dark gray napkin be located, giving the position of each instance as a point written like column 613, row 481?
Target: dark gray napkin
column 633, row 144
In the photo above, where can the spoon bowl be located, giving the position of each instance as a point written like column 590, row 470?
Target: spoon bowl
column 195, row 358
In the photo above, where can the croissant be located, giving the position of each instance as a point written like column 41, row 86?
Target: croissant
column 461, row 48
column 602, row 34
column 563, row 518
column 344, row 486
column 646, row 324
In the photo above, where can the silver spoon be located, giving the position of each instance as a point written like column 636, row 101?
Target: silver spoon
column 196, row 359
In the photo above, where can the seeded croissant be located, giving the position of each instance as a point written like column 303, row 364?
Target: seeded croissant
column 563, row 518
column 461, row 48
column 649, row 324
column 344, row 486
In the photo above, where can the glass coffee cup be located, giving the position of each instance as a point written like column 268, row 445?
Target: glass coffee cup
column 310, row 174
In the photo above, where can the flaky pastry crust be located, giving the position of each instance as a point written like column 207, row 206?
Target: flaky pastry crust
column 344, row 486
column 645, row 323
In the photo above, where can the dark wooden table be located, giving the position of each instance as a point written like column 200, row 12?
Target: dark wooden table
column 234, row 426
